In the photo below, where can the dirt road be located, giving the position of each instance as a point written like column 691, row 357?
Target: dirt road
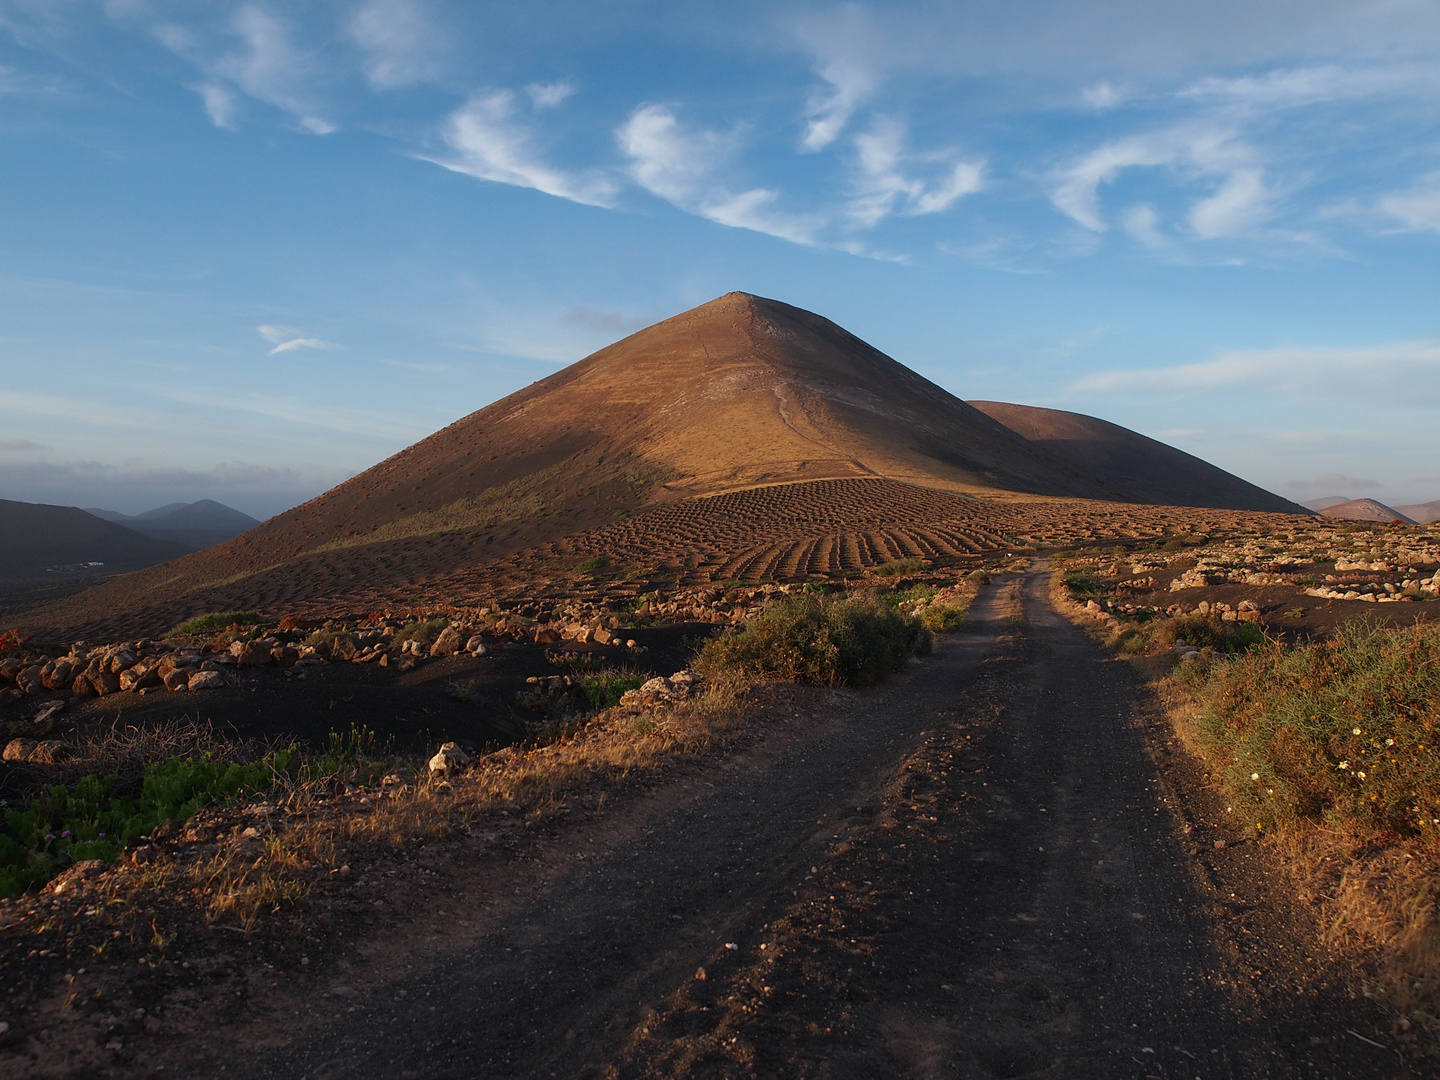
column 979, row 869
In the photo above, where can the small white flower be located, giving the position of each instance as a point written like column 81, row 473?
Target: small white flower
column 1357, row 731
column 1343, row 765
column 1389, row 742
column 1361, row 774
column 1254, row 776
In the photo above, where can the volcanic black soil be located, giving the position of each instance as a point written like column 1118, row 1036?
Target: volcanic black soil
column 996, row 865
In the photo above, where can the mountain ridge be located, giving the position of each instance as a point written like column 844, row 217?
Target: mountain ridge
column 739, row 393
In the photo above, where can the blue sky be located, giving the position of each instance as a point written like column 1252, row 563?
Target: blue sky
column 249, row 249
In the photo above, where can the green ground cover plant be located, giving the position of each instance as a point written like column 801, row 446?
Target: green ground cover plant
column 425, row 631
column 1339, row 730
column 91, row 820
column 821, row 640
column 216, row 621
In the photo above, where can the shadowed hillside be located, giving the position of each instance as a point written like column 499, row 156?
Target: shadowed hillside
column 39, row 541
column 1153, row 471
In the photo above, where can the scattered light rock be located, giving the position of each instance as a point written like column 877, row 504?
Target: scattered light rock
column 205, row 680
column 449, row 758
column 447, row 644
column 19, row 750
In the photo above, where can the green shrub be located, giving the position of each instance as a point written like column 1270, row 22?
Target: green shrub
column 821, row 640
column 1346, row 730
column 978, row 577
column 940, row 617
column 425, row 632
column 89, row 821
column 604, row 689
column 592, row 564
column 902, row 566
column 216, row 621
column 1083, row 582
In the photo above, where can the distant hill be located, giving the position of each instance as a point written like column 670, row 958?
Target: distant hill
column 1153, row 471
column 1325, row 502
column 38, row 541
column 196, row 525
column 1366, row 510
column 1424, row 513
column 741, row 393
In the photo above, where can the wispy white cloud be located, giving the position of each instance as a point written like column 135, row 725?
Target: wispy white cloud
column 1143, row 224
column 884, row 188
column 490, row 141
column 1372, row 374
column 830, row 109
column 842, row 43
column 399, row 45
column 1299, row 87
column 1105, row 95
column 679, row 165
column 287, row 339
column 19, row 446
column 220, row 104
column 549, row 95
column 1419, row 207
column 1195, row 153
column 267, row 66
column 1240, row 204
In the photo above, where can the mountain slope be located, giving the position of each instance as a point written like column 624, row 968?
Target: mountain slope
column 1423, row 513
column 1154, row 471
column 739, row 393
column 1365, row 510
column 37, row 539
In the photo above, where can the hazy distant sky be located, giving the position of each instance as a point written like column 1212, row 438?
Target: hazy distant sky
column 248, row 249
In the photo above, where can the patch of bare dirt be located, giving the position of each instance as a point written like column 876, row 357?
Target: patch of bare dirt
column 996, row 865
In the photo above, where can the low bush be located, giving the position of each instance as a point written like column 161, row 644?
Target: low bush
column 820, row 640
column 604, row 689
column 12, row 641
column 1345, row 729
column 424, row 631
column 942, row 617
column 216, row 621
column 978, row 577
column 89, row 820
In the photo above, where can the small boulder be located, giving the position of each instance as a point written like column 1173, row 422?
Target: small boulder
column 103, row 682
column 19, row 750
column 82, row 687
column 449, row 758
column 46, row 752
column 46, row 711
column 205, row 680
column 447, row 644
column 28, row 680
column 178, row 678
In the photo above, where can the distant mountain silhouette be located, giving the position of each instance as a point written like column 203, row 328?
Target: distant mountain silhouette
column 37, row 540
column 1325, row 502
column 1153, row 471
column 1366, row 510
column 195, row 525
column 1423, row 513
